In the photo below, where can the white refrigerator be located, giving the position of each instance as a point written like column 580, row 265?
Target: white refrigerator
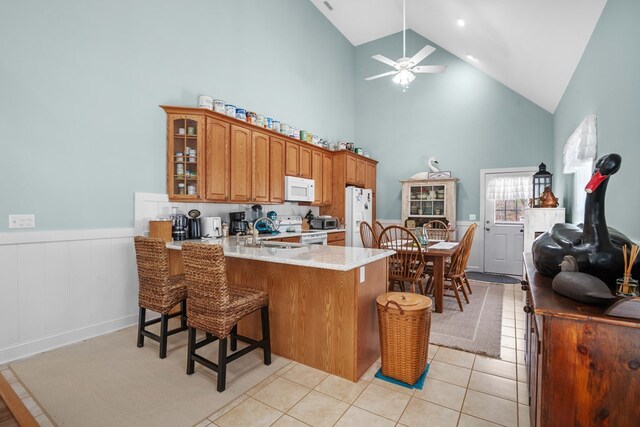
column 359, row 207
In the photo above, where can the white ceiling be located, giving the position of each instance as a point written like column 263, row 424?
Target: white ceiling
column 531, row 46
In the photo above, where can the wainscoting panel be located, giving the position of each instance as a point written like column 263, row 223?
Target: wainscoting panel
column 60, row 287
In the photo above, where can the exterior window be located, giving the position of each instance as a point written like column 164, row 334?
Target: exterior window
column 510, row 210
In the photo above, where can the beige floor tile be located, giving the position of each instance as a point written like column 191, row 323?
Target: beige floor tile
column 32, row 406
column 253, row 390
column 469, row 421
column 522, row 373
column 523, row 394
column 520, row 344
column 508, row 313
column 495, row 367
column 318, row 409
column 520, row 357
column 44, row 421
column 491, row 408
column 382, row 401
column 286, row 368
column 508, row 332
column 203, row 423
column 509, row 342
column 520, row 324
column 250, row 413
column 455, row 357
column 282, row 394
column 493, row 385
column 508, row 354
column 226, row 408
column 433, row 349
column 19, row 390
column 305, row 375
column 8, row 375
column 371, row 372
column 341, row 389
column 392, row 386
column 449, row 373
column 420, row 413
column 511, row 323
column 524, row 419
column 356, row 417
column 287, row 421
column 442, row 393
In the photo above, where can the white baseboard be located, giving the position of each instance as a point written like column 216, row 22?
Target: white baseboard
column 26, row 349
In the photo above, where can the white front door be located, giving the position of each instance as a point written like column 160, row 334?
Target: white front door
column 504, row 236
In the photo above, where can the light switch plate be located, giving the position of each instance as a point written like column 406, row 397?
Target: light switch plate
column 361, row 274
column 22, row 221
column 472, row 217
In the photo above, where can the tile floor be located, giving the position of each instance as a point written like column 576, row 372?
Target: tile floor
column 462, row 389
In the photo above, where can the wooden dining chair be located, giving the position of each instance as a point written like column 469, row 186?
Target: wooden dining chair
column 437, row 230
column 407, row 264
column 369, row 238
column 455, row 274
column 377, row 229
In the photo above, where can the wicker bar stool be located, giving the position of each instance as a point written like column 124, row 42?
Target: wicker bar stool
column 215, row 308
column 158, row 291
column 368, row 236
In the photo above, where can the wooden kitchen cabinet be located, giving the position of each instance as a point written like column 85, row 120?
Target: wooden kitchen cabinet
column 327, row 179
column 351, row 175
column 316, row 175
column 292, row 161
column 305, row 162
column 260, row 183
column 185, row 171
column 336, row 239
column 360, row 172
column 370, row 176
column 216, row 145
column 582, row 365
column 276, row 170
column 240, row 165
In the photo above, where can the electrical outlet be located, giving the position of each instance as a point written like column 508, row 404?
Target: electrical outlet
column 362, row 274
column 22, row 221
column 472, row 217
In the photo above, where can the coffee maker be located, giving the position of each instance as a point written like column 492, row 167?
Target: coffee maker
column 237, row 223
column 179, row 225
column 195, row 228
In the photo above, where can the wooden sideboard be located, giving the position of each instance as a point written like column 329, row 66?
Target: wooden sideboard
column 583, row 366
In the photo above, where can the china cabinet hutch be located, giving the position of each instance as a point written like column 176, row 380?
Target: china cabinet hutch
column 429, row 199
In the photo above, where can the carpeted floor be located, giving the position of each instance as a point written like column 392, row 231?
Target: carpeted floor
column 493, row 278
column 109, row 381
column 477, row 329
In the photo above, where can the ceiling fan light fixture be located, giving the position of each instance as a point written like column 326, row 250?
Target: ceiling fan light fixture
column 461, row 22
column 403, row 78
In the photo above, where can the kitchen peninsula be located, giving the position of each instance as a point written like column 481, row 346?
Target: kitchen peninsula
column 321, row 300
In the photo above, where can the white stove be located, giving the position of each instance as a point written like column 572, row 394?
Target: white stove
column 293, row 224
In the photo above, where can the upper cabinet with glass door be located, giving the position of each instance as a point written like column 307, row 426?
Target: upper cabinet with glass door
column 184, row 157
column 429, row 199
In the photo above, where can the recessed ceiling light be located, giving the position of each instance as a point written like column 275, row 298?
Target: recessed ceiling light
column 461, row 22
column 472, row 58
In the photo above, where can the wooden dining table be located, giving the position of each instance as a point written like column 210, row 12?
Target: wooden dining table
column 438, row 257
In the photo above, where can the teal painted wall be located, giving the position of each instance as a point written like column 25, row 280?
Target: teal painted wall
column 465, row 118
column 81, row 81
column 606, row 82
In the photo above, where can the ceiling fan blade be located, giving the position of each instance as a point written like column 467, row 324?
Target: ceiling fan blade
column 385, row 60
column 429, row 69
column 424, row 52
column 381, row 75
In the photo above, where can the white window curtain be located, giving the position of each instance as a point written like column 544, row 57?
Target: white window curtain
column 509, row 187
column 581, row 145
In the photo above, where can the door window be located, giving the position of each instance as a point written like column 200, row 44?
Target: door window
column 509, row 211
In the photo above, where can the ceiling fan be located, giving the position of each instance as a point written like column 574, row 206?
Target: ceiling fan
column 406, row 67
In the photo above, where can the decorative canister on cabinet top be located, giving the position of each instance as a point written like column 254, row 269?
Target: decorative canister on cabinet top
column 205, row 101
column 230, row 110
column 219, row 106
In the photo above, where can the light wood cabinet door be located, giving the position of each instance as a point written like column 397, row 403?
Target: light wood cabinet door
column 360, row 172
column 292, row 162
column 370, row 176
column 276, row 170
column 305, row 162
column 316, row 175
column 259, row 167
column 350, row 170
column 185, row 168
column 216, row 149
column 327, row 179
column 240, row 164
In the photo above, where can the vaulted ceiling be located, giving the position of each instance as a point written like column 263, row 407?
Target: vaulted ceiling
column 531, row 46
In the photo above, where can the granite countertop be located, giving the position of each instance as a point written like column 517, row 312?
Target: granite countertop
column 285, row 234
column 316, row 256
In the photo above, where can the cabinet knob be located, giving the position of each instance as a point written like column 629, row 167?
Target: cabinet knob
column 525, row 285
column 527, row 309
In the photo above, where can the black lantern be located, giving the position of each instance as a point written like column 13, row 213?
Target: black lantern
column 541, row 180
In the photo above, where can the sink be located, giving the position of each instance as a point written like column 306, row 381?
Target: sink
column 282, row 245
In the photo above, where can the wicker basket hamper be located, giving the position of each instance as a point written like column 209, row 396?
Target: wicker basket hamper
column 404, row 321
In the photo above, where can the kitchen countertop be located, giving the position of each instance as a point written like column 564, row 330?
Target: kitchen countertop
column 339, row 258
column 285, row 234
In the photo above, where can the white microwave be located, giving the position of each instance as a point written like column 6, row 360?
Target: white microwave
column 298, row 189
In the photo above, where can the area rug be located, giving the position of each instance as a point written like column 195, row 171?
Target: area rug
column 477, row 329
column 493, row 278
column 108, row 381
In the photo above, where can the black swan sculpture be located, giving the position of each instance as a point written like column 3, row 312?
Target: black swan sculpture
column 596, row 248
